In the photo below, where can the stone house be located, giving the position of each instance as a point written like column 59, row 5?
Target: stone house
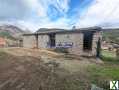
column 84, row 41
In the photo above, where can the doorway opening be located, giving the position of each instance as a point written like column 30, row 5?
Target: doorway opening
column 52, row 40
column 98, row 48
column 87, row 41
column 36, row 36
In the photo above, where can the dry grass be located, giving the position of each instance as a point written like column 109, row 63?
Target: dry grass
column 25, row 69
column 38, row 69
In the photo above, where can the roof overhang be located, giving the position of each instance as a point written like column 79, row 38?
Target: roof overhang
column 61, row 31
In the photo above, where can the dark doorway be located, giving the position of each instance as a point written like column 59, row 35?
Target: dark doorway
column 87, row 41
column 52, row 40
column 98, row 48
column 36, row 36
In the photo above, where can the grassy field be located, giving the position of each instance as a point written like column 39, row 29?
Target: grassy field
column 44, row 70
column 102, row 74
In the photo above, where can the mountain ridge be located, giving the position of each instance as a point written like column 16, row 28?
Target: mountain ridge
column 12, row 31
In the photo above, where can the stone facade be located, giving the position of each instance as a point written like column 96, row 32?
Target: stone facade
column 29, row 41
column 75, row 38
column 42, row 41
column 96, row 37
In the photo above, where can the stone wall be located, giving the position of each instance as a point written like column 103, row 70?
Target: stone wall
column 75, row 38
column 29, row 41
column 96, row 37
column 43, row 41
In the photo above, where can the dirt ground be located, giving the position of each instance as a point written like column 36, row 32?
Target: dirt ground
column 38, row 69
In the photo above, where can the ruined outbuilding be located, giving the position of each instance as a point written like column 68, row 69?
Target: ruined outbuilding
column 84, row 41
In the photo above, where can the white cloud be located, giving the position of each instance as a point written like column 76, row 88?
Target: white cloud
column 41, row 6
column 13, row 9
column 38, row 7
column 100, row 12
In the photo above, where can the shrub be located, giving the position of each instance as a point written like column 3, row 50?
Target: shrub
column 62, row 50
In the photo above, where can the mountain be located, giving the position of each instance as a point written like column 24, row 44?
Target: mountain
column 111, row 35
column 11, row 31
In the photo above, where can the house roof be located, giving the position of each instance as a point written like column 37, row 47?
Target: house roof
column 55, row 30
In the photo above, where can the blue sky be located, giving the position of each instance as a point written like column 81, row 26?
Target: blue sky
column 35, row 14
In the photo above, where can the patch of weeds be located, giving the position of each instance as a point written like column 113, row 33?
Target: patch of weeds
column 61, row 50
column 73, row 82
column 101, row 75
column 110, row 60
column 2, row 55
column 109, row 57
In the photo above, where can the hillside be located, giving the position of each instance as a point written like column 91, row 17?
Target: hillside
column 111, row 35
column 11, row 32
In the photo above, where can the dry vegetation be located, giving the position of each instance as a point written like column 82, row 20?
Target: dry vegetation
column 32, row 69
